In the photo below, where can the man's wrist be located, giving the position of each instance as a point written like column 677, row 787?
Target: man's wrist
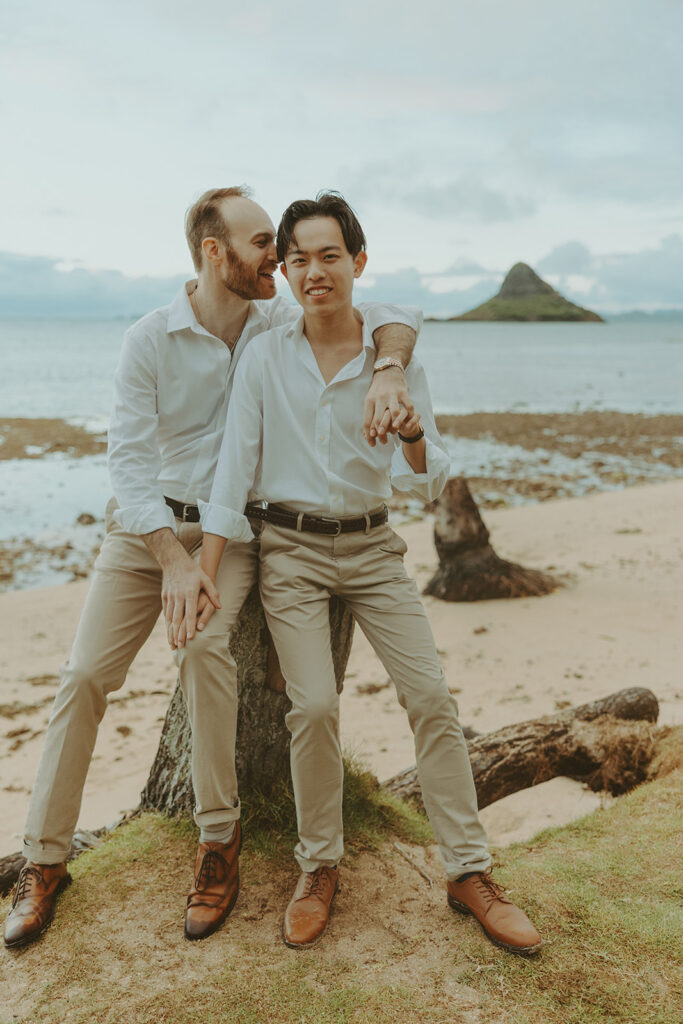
column 413, row 438
column 165, row 547
column 387, row 363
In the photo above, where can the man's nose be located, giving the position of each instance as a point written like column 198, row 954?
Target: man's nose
column 315, row 270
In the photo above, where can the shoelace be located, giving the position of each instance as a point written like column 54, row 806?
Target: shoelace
column 316, row 883
column 28, row 872
column 213, row 868
column 489, row 889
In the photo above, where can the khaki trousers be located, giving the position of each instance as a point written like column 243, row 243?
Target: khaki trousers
column 299, row 572
column 122, row 606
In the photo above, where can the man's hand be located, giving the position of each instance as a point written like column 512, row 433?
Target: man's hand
column 387, row 406
column 205, row 609
column 182, row 585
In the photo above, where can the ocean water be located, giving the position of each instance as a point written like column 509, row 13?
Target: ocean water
column 65, row 368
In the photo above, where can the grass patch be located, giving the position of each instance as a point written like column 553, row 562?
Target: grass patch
column 604, row 891
column 370, row 814
column 607, row 893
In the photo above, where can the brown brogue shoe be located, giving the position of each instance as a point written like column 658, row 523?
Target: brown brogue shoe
column 216, row 886
column 309, row 908
column 33, row 905
column 503, row 922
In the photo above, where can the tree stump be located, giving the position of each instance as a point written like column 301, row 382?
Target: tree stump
column 469, row 568
column 607, row 744
column 262, row 753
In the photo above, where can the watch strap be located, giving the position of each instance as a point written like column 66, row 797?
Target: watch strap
column 412, row 440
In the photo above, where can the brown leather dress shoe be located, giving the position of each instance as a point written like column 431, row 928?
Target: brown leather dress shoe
column 309, row 908
column 216, row 885
column 33, row 906
column 503, row 922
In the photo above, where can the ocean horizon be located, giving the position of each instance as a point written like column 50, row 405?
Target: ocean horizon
column 65, row 368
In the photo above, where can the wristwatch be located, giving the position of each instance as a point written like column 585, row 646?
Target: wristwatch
column 385, row 362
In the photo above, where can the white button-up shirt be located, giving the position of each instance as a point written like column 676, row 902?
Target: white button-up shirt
column 171, row 394
column 294, row 440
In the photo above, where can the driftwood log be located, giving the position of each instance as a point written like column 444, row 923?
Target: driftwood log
column 262, row 752
column 469, row 569
column 607, row 744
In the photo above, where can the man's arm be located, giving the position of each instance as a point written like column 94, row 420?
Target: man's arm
column 421, row 468
column 394, row 331
column 134, row 462
column 223, row 514
column 388, row 404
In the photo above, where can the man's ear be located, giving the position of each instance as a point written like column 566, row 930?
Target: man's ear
column 359, row 263
column 211, row 249
column 283, row 271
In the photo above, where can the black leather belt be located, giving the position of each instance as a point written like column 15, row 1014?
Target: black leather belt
column 188, row 513
column 279, row 516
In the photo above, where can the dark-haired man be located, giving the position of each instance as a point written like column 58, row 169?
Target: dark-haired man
column 172, row 390
column 319, row 491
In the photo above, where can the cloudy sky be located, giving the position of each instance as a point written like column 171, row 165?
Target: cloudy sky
column 468, row 136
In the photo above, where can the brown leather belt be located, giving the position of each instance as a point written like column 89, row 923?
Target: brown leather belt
column 279, row 516
column 188, row 513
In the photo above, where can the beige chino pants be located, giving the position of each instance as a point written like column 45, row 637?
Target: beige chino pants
column 122, row 606
column 299, row 572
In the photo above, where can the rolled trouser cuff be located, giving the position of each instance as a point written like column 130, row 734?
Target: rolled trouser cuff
column 37, row 855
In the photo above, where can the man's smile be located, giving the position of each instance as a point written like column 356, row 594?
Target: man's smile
column 318, row 291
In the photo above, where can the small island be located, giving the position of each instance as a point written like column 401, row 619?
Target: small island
column 524, row 296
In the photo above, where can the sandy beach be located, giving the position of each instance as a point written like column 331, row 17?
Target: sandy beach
column 615, row 623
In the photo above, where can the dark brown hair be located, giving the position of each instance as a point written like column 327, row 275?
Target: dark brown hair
column 205, row 220
column 325, row 204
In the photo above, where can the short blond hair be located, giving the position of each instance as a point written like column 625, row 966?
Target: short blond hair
column 204, row 219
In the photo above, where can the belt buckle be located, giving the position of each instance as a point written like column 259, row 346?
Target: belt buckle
column 185, row 512
column 337, row 522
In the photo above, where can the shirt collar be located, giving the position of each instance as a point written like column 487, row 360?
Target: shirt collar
column 181, row 315
column 296, row 330
column 180, row 312
column 352, row 369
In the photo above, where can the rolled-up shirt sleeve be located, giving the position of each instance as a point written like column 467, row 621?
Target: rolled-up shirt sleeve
column 379, row 314
column 429, row 485
column 133, row 455
column 223, row 513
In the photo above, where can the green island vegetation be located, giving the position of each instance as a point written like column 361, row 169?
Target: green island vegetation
column 602, row 890
column 524, row 296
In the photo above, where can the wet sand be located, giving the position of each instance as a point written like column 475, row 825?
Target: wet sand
column 32, row 439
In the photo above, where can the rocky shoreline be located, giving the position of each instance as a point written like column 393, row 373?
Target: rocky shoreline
column 509, row 458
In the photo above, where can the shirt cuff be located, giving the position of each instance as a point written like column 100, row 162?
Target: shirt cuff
column 224, row 522
column 139, row 519
column 427, row 485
